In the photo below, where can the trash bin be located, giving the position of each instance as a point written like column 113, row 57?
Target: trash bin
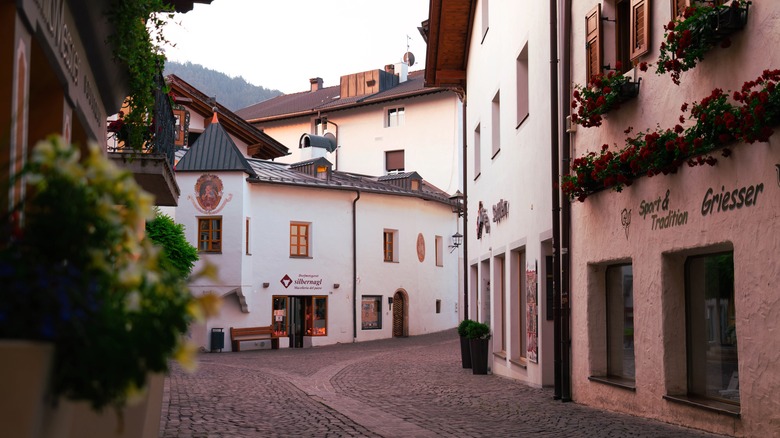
column 217, row 339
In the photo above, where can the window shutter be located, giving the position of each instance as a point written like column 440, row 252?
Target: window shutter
column 679, row 7
column 640, row 32
column 394, row 160
column 593, row 42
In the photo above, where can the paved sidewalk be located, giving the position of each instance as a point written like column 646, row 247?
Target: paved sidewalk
column 407, row 387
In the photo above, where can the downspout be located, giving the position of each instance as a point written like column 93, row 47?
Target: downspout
column 556, row 220
column 354, row 267
column 465, row 217
column 566, row 212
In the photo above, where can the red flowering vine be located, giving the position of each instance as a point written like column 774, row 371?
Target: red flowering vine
column 602, row 94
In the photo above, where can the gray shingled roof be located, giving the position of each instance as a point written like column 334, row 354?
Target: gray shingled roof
column 214, row 150
column 269, row 172
column 309, row 102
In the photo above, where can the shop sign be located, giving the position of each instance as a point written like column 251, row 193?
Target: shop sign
column 726, row 200
column 483, row 221
column 661, row 216
column 303, row 282
column 500, row 211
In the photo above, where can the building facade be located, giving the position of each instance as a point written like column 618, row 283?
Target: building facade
column 322, row 256
column 674, row 276
column 379, row 122
column 498, row 54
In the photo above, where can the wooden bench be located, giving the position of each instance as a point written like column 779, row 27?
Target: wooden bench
column 252, row 334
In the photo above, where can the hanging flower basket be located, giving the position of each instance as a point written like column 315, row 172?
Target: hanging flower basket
column 628, row 91
column 603, row 94
column 731, row 19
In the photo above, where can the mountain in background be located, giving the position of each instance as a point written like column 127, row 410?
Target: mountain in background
column 233, row 93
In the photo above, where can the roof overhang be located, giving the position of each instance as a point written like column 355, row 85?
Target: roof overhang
column 448, row 33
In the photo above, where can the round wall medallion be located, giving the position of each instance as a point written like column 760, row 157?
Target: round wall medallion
column 421, row 247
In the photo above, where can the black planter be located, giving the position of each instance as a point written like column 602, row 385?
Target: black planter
column 628, row 90
column 730, row 20
column 465, row 352
column 479, row 355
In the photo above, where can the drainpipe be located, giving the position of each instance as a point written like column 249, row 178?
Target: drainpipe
column 556, row 220
column 354, row 267
column 566, row 214
column 465, row 217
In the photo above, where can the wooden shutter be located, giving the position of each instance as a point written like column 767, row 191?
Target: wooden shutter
column 640, row 32
column 678, row 7
column 394, row 160
column 593, row 42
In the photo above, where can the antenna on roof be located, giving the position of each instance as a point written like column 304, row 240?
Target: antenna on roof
column 408, row 56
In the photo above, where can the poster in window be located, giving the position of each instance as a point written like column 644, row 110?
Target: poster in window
column 371, row 312
column 532, row 313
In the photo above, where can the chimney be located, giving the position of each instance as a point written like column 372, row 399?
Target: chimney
column 402, row 71
column 390, row 68
column 316, row 84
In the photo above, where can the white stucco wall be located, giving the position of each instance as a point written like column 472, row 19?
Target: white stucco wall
column 657, row 254
column 519, row 173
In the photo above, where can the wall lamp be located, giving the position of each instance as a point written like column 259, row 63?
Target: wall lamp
column 456, row 202
column 457, row 240
column 390, row 303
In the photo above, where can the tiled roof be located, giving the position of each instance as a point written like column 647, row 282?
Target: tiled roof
column 309, row 102
column 270, row 172
column 214, row 150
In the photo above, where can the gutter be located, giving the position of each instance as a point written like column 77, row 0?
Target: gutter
column 354, row 267
column 566, row 214
column 556, row 218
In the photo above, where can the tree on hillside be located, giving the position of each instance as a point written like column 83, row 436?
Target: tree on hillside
column 177, row 252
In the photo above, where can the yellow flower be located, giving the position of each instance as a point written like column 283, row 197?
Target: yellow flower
column 186, row 355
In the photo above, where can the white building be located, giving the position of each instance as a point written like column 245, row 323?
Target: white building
column 379, row 122
column 498, row 54
column 322, row 255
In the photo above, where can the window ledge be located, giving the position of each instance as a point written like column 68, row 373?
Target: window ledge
column 707, row 404
column 619, row 382
column 391, row 261
column 301, row 257
column 500, row 354
column 521, row 362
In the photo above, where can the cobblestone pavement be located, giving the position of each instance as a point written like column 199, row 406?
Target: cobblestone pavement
column 402, row 387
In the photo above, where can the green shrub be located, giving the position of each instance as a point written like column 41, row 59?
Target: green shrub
column 478, row 330
column 463, row 327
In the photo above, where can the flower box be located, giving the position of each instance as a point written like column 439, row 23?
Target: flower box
column 628, row 91
column 730, row 20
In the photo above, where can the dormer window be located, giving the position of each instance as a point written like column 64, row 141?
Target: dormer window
column 322, row 172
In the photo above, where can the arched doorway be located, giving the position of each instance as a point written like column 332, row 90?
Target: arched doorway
column 400, row 312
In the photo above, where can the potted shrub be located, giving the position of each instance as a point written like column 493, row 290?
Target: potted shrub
column 478, row 334
column 80, row 278
column 465, row 350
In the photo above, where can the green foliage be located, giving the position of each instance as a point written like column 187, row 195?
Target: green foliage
column 463, row 327
column 233, row 93
column 177, row 251
column 137, row 42
column 478, row 330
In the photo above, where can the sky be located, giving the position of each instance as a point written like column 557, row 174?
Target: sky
column 281, row 44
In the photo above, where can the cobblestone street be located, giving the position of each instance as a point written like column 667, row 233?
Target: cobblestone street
column 401, row 387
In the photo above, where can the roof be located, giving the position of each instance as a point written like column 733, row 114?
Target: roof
column 269, row 172
column 447, row 33
column 259, row 144
column 214, row 150
column 329, row 98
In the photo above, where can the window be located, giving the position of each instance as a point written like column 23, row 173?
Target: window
column 485, row 19
column 210, row 234
column 280, row 316
column 246, row 238
column 439, row 248
column 628, row 24
column 394, row 161
column 391, row 245
column 522, row 85
column 371, row 312
column 620, row 321
column 395, row 117
column 438, row 306
column 496, row 124
column 299, row 239
column 477, row 152
column 316, row 316
column 711, row 341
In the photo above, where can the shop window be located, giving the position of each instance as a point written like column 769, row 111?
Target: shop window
column 395, row 117
column 522, row 86
column 210, row 234
column 280, row 316
column 711, row 335
column 316, row 316
column 496, row 124
column 371, row 312
column 620, row 322
column 394, row 161
column 439, row 245
column 390, row 244
column 299, row 239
